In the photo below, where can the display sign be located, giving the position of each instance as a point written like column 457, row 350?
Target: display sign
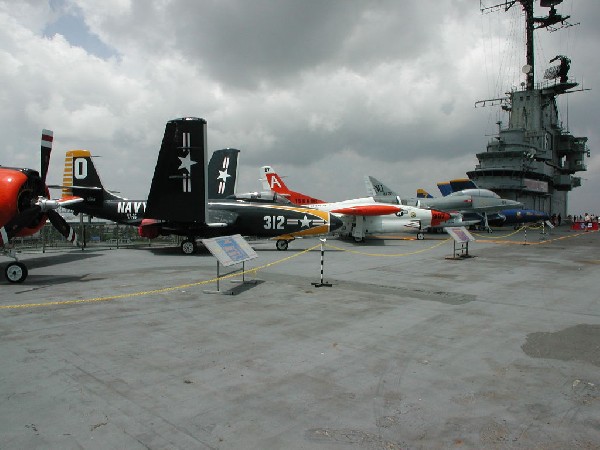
column 459, row 234
column 230, row 250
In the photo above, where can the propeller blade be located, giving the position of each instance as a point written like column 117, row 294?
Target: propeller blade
column 47, row 138
column 62, row 226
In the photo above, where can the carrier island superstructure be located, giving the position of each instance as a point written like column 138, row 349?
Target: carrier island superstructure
column 533, row 159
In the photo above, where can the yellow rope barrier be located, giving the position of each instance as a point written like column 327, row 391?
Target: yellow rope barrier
column 252, row 270
column 155, row 291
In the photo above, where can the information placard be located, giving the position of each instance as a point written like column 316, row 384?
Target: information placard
column 459, row 234
column 230, row 250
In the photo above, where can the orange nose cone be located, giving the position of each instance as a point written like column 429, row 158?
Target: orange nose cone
column 439, row 217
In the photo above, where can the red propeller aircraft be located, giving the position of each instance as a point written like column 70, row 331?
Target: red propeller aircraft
column 25, row 205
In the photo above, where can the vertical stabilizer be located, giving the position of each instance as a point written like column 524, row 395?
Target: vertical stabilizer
column 179, row 187
column 462, row 183
column 376, row 188
column 272, row 181
column 80, row 178
column 422, row 193
column 445, row 188
column 222, row 173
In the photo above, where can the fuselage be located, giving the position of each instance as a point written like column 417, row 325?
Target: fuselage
column 380, row 218
column 469, row 200
column 248, row 219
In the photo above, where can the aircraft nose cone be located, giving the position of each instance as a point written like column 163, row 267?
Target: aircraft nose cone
column 439, row 217
column 334, row 222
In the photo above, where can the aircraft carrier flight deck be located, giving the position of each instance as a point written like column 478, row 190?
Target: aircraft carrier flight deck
column 410, row 347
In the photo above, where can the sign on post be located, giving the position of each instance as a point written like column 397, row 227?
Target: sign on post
column 230, row 250
column 461, row 237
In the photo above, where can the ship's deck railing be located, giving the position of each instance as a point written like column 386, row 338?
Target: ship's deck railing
column 545, row 84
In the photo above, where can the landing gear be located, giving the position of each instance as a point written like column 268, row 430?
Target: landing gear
column 420, row 236
column 189, row 247
column 281, row 244
column 359, row 239
column 15, row 272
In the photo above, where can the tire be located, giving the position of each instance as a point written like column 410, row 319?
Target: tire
column 281, row 245
column 359, row 239
column 188, row 247
column 15, row 272
column 420, row 236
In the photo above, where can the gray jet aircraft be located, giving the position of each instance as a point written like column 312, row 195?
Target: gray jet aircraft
column 474, row 205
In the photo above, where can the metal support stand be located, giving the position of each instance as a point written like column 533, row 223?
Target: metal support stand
column 230, row 250
column 461, row 250
column 321, row 284
column 461, row 238
column 243, row 280
column 218, row 291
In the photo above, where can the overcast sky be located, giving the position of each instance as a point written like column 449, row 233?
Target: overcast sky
column 324, row 91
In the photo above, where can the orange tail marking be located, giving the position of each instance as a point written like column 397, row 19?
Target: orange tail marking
column 70, row 155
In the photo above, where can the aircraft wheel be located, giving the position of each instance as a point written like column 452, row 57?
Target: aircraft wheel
column 359, row 239
column 420, row 236
column 489, row 230
column 16, row 272
column 188, row 247
column 282, row 244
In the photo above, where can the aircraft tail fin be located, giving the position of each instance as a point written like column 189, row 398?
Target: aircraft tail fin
column 273, row 182
column 422, row 193
column 222, row 173
column 445, row 188
column 458, row 184
column 462, row 183
column 80, row 178
column 377, row 189
column 178, row 192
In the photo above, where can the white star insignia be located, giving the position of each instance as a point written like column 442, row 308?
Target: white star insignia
column 305, row 222
column 223, row 175
column 186, row 162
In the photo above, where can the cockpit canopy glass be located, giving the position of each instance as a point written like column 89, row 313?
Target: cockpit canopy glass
column 262, row 197
column 475, row 193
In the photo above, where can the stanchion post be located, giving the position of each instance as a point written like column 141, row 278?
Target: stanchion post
column 322, row 283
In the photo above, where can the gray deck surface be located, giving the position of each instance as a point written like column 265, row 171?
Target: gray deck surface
column 407, row 349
